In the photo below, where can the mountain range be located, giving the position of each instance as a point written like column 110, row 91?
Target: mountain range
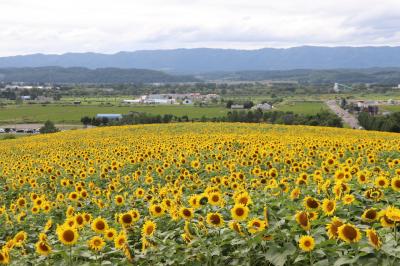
column 201, row 60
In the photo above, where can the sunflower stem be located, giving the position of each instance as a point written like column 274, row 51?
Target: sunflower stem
column 70, row 255
column 311, row 260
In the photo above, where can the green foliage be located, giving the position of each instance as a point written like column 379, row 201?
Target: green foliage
column 8, row 136
column 390, row 123
column 322, row 118
column 48, row 127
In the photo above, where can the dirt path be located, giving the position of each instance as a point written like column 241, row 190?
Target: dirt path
column 347, row 118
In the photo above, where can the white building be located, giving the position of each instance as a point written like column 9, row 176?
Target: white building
column 262, row 107
column 187, row 101
column 25, row 97
column 237, row 106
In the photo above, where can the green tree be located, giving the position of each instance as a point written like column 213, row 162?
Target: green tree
column 86, row 120
column 48, row 127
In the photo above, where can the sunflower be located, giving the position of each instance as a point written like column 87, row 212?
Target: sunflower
column 256, row 225
column 99, row 225
column 187, row 238
column 20, row 238
column 120, row 240
column 393, row 214
column 70, row 222
column 349, row 233
column 348, row 199
column 67, row 235
column 243, row 197
column 374, row 193
column 239, row 212
column 43, row 248
column 139, row 193
column 96, row 243
column 215, row 199
column 110, row 234
column 156, row 210
column 385, row 221
column 328, row 206
column 87, row 217
column 362, row 178
column 149, row 228
column 307, row 243
column 235, row 226
column 21, row 202
column 73, row 196
column 382, row 182
column 4, row 256
column 369, row 215
column 215, row 219
column 43, row 237
column 302, row 220
column 126, row 219
column 373, row 238
column 333, row 226
column 119, row 200
column 186, row 213
column 395, row 183
column 194, row 201
column 311, row 203
column 312, row 216
column 10, row 244
column 70, row 211
column 79, row 220
column 295, row 193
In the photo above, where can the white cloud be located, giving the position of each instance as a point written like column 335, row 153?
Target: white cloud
column 58, row 26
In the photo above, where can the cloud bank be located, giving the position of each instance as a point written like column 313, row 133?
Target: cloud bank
column 59, row 26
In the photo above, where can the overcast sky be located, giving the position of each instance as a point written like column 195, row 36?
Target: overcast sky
column 59, row 26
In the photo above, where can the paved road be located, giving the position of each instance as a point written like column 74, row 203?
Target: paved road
column 347, row 118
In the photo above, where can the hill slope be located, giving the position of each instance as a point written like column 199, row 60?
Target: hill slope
column 85, row 75
column 369, row 75
column 206, row 60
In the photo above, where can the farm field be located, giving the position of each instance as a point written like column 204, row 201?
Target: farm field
column 391, row 108
column 306, row 108
column 201, row 194
column 60, row 113
column 73, row 114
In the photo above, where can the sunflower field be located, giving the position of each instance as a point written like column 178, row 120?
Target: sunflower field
column 201, row 194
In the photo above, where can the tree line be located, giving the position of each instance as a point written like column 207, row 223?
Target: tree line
column 390, row 123
column 322, row 118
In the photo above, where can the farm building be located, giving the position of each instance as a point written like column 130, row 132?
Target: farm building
column 25, row 97
column 109, row 116
column 237, row 106
column 262, row 106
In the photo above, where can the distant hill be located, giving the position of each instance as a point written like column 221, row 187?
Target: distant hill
column 369, row 75
column 206, row 60
column 85, row 75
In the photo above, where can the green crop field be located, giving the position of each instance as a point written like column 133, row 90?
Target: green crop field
column 307, row 108
column 390, row 108
column 73, row 114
